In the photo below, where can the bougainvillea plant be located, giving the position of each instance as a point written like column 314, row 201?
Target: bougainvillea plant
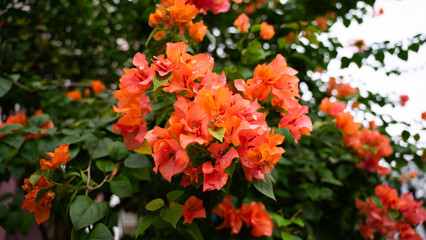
column 186, row 119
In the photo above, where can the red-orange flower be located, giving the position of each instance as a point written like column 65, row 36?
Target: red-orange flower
column 193, row 208
column 322, row 23
column 197, row 31
column 254, row 215
column 242, row 22
column 74, row 95
column 41, row 209
column 60, row 156
column 231, row 219
column 97, row 86
column 267, row 31
column 406, row 232
column 423, row 115
column 159, row 35
column 190, row 175
column 388, row 196
column 403, row 99
column 332, row 108
column 345, row 121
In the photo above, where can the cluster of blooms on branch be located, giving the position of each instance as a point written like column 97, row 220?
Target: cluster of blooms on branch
column 369, row 144
column 209, row 120
column 397, row 214
column 21, row 119
column 253, row 215
column 41, row 208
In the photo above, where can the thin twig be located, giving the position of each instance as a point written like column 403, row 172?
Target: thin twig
column 64, row 85
column 102, row 183
column 23, row 86
column 88, row 177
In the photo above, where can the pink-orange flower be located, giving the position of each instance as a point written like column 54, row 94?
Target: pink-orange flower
column 193, row 208
column 332, row 108
column 403, row 100
column 345, row 121
column 267, row 31
column 190, row 175
column 242, row 22
column 60, row 156
column 41, row 209
column 255, row 216
column 97, row 86
column 231, row 219
column 197, row 31
column 74, row 95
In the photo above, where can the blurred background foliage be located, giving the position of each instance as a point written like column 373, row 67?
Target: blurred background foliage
column 50, row 47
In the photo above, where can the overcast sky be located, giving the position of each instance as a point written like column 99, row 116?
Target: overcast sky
column 400, row 21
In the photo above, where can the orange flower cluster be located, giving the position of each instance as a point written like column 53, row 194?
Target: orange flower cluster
column 378, row 220
column 21, row 119
column 369, row 144
column 60, row 156
column 423, row 115
column 340, row 90
column 74, row 95
column 321, row 22
column 242, row 22
column 41, row 209
column 267, row 31
column 207, row 116
column 278, row 79
column 252, row 5
column 178, row 14
column 253, row 214
column 193, row 208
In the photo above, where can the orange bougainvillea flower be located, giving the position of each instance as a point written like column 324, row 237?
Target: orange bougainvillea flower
column 231, row 219
column 406, row 232
column 216, row 6
column 242, row 22
column 424, row 115
column 322, row 23
column 159, row 35
column 345, row 121
column 388, row 196
column 359, row 44
column 403, row 100
column 86, row 92
column 181, row 12
column 19, row 118
column 190, row 175
column 74, row 95
column 255, row 216
column 41, row 209
column 340, row 89
column 158, row 17
column 60, row 156
column 214, row 177
column 267, row 31
column 97, row 86
column 193, row 208
column 197, row 31
column 332, row 108
column 413, row 174
column 411, row 209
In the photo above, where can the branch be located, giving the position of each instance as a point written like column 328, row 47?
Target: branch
column 64, row 85
column 102, row 183
column 88, row 177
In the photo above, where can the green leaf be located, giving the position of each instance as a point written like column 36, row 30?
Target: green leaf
column 313, row 191
column 84, row 212
column 105, row 165
column 191, row 231
column 405, row 135
column 84, row 179
column 345, row 62
column 121, row 187
column 285, row 235
column 393, row 214
column 173, row 195
column 38, row 120
column 265, row 187
column 416, row 137
column 299, row 222
column 380, row 56
column 155, row 204
column 34, row 177
column 230, row 169
column 145, row 223
column 100, row 232
column 253, row 53
column 4, row 150
column 97, row 147
column 173, row 214
column 255, row 28
column 136, row 160
column 331, row 180
column 159, row 80
column 5, row 86
column 10, row 127
column 414, row 47
column 218, row 133
column 117, row 150
column 15, row 141
column 403, row 54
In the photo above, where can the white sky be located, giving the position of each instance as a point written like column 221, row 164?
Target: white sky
column 400, row 21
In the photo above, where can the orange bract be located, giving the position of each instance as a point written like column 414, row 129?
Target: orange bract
column 193, row 208
column 41, row 209
column 267, row 31
column 74, row 95
column 97, row 86
column 242, row 22
column 60, row 156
